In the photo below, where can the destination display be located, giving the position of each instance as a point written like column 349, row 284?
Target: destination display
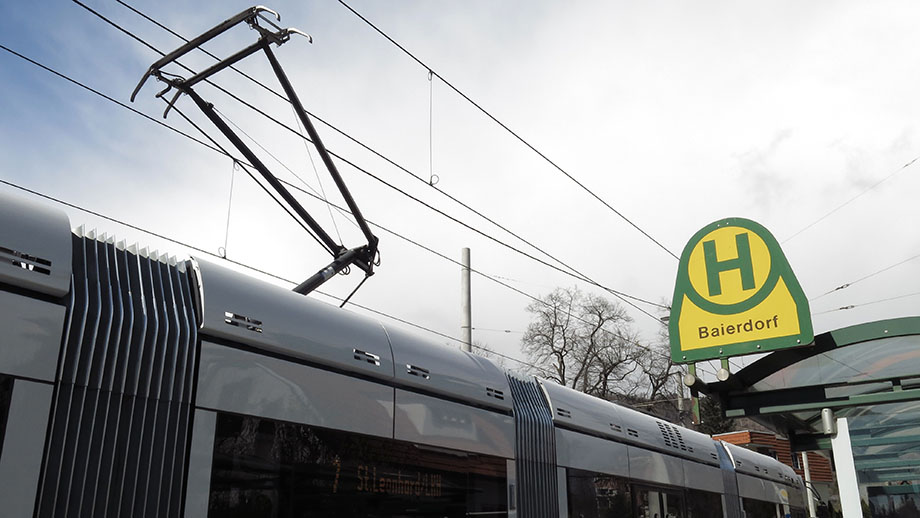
column 735, row 294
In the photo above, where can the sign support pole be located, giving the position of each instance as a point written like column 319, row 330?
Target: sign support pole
column 694, row 398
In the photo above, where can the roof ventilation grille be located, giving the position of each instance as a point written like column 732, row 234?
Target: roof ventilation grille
column 672, row 436
column 245, row 322
column 665, row 435
column 632, row 433
column 25, row 261
column 616, row 428
column 497, row 394
column 418, row 371
column 365, row 356
column 561, row 412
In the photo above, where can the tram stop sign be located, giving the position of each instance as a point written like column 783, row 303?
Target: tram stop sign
column 735, row 294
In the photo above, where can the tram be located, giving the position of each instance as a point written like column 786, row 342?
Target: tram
column 135, row 384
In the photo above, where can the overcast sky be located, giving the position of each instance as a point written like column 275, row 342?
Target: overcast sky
column 798, row 115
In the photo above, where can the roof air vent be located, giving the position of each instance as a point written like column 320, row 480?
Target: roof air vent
column 365, row 356
column 25, row 261
column 497, row 394
column 418, row 371
column 250, row 324
column 672, row 437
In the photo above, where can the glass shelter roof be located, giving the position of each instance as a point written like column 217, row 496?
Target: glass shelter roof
column 869, row 373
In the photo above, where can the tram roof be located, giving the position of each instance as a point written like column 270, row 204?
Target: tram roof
column 868, row 373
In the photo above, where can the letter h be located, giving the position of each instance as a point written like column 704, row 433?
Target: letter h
column 743, row 262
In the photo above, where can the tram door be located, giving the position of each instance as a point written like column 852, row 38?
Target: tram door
column 653, row 502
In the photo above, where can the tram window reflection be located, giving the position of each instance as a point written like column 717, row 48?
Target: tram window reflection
column 597, row 495
column 273, row 469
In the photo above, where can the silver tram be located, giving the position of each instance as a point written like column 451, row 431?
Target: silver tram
column 133, row 384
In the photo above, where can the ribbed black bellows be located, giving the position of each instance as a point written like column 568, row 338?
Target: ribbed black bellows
column 535, row 451
column 122, row 409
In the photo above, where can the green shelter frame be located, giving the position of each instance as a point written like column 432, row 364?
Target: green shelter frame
column 865, row 378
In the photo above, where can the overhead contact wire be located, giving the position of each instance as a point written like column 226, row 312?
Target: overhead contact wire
column 218, row 149
column 509, row 130
column 873, row 274
column 578, row 275
column 851, row 200
column 621, row 295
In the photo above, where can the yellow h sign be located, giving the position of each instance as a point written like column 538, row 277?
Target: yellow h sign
column 735, row 294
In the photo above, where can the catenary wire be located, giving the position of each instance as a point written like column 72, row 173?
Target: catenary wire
column 306, row 148
column 851, row 200
column 254, row 179
column 494, row 278
column 509, row 130
column 242, row 164
column 852, row 306
column 578, row 275
column 203, row 251
column 233, row 170
column 217, row 148
column 873, row 274
column 364, row 146
column 108, row 98
column 224, row 152
column 497, row 330
column 619, row 294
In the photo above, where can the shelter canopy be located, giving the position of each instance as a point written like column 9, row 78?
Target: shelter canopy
column 869, row 374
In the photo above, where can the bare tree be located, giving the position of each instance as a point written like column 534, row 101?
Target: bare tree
column 585, row 342
column 662, row 377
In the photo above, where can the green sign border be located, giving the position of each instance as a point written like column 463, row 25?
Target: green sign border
column 779, row 268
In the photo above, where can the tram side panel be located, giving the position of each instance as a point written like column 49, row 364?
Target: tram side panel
column 30, row 342
column 287, row 436
column 307, row 415
column 766, row 487
column 35, row 273
column 608, row 478
column 616, row 461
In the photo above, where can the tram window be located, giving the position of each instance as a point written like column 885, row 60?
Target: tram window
column 759, row 508
column 596, row 495
column 272, row 469
column 658, row 503
column 703, row 504
column 6, row 395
